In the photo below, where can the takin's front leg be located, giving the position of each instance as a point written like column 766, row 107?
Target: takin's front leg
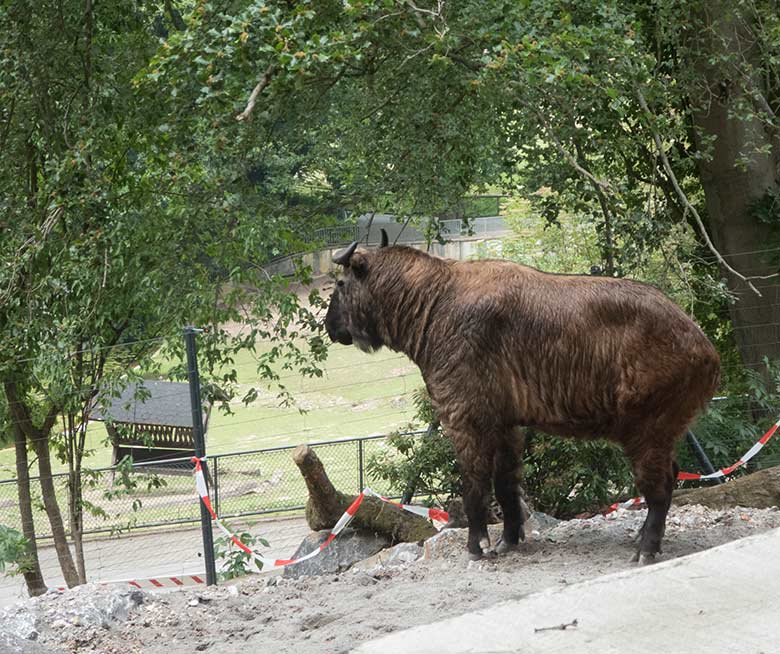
column 505, row 483
column 476, row 463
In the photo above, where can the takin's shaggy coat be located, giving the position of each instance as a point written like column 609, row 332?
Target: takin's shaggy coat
column 502, row 345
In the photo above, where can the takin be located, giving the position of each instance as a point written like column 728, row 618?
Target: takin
column 502, row 346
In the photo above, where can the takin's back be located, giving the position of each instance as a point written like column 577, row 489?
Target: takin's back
column 575, row 352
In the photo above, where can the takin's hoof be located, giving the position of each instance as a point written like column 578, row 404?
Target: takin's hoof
column 485, row 554
column 502, row 547
column 643, row 558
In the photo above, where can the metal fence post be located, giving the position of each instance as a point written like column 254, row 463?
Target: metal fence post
column 360, row 465
column 200, row 449
column 701, row 455
column 215, row 477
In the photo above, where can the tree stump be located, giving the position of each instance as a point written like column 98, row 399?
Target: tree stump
column 326, row 505
column 760, row 490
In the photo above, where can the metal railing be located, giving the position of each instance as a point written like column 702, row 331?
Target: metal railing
column 336, row 235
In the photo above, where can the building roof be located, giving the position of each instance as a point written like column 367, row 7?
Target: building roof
column 157, row 403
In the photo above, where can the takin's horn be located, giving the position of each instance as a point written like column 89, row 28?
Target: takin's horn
column 342, row 257
column 384, row 240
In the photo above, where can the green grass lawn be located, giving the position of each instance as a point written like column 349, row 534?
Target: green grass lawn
column 359, row 395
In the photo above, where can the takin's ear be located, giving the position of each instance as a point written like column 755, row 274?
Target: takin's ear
column 359, row 264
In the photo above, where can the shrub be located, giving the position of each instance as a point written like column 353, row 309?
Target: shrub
column 562, row 477
column 419, row 464
column 565, row 477
column 14, row 551
column 237, row 562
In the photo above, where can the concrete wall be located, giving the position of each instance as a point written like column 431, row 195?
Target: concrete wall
column 321, row 261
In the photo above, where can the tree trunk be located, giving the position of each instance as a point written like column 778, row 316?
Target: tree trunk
column 741, row 170
column 760, row 490
column 41, row 447
column 76, row 519
column 326, row 505
column 31, row 571
column 39, row 438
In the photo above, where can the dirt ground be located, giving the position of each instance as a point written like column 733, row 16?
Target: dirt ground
column 334, row 613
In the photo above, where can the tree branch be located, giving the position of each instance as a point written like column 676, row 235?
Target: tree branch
column 610, row 255
column 684, row 198
column 568, row 155
column 264, row 81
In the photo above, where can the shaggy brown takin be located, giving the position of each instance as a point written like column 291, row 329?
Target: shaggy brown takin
column 502, row 345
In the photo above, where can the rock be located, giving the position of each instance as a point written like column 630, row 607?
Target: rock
column 89, row 605
column 451, row 543
column 403, row 553
column 400, row 554
column 316, row 621
column 21, row 622
column 348, row 548
column 539, row 521
column 10, row 644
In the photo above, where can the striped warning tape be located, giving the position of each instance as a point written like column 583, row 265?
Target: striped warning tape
column 434, row 514
column 723, row 472
column 164, row 582
column 153, row 583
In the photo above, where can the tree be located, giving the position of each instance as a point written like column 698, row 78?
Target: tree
column 642, row 115
column 112, row 241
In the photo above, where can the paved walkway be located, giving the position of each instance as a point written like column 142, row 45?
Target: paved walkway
column 722, row 600
column 170, row 552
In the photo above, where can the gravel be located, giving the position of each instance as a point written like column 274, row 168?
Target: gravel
column 331, row 614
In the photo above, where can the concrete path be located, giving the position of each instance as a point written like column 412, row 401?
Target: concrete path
column 160, row 553
column 721, row 600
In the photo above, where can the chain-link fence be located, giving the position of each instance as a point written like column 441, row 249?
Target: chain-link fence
column 163, row 493
column 267, row 481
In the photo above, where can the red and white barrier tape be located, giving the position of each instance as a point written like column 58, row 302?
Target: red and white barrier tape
column 164, row 582
column 742, row 461
column 723, row 472
column 200, row 483
column 152, row 583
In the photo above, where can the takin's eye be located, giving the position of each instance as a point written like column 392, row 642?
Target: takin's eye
column 340, row 283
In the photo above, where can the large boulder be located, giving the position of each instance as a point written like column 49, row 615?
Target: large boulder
column 348, row 548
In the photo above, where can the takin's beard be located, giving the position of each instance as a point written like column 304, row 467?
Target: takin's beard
column 367, row 340
column 365, row 344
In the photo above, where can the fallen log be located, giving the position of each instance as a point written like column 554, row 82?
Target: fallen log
column 760, row 490
column 326, row 505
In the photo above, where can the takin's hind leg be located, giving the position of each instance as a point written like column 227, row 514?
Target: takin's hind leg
column 505, row 483
column 654, row 473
